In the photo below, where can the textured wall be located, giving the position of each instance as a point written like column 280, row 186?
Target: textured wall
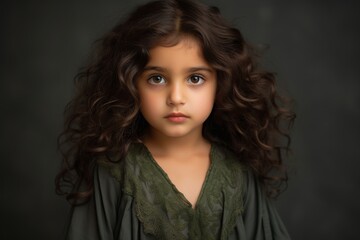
column 314, row 48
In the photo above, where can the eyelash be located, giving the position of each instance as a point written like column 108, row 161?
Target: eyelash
column 163, row 80
column 151, row 80
column 200, row 77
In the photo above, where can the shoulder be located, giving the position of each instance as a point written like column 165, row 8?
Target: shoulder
column 233, row 165
column 118, row 168
column 228, row 160
column 109, row 169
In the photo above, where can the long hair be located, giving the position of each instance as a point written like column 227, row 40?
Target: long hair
column 249, row 117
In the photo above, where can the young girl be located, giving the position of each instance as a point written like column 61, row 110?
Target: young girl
column 174, row 133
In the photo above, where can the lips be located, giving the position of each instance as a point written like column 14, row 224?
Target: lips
column 177, row 117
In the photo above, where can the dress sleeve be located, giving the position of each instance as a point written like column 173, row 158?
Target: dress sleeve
column 97, row 218
column 260, row 220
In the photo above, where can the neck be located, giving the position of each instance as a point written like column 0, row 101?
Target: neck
column 160, row 145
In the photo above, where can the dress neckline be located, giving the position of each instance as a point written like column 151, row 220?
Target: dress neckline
column 161, row 210
column 169, row 182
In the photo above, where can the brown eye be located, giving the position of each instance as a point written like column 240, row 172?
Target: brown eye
column 196, row 80
column 157, row 80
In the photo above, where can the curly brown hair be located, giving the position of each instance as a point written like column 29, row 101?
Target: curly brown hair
column 249, row 117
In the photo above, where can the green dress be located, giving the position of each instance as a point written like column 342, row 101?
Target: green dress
column 135, row 199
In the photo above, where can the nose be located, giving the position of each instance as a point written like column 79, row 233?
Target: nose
column 176, row 95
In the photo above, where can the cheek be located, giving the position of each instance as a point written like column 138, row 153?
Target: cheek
column 149, row 103
column 204, row 102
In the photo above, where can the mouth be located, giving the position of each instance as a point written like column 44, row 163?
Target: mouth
column 176, row 117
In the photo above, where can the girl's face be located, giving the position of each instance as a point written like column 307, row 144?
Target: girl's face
column 177, row 89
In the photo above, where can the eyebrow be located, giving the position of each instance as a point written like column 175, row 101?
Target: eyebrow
column 190, row 70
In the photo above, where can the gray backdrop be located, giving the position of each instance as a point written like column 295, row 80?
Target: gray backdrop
column 314, row 48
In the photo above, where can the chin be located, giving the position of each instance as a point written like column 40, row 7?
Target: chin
column 178, row 131
column 175, row 134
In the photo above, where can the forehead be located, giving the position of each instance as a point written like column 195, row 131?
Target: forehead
column 187, row 51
